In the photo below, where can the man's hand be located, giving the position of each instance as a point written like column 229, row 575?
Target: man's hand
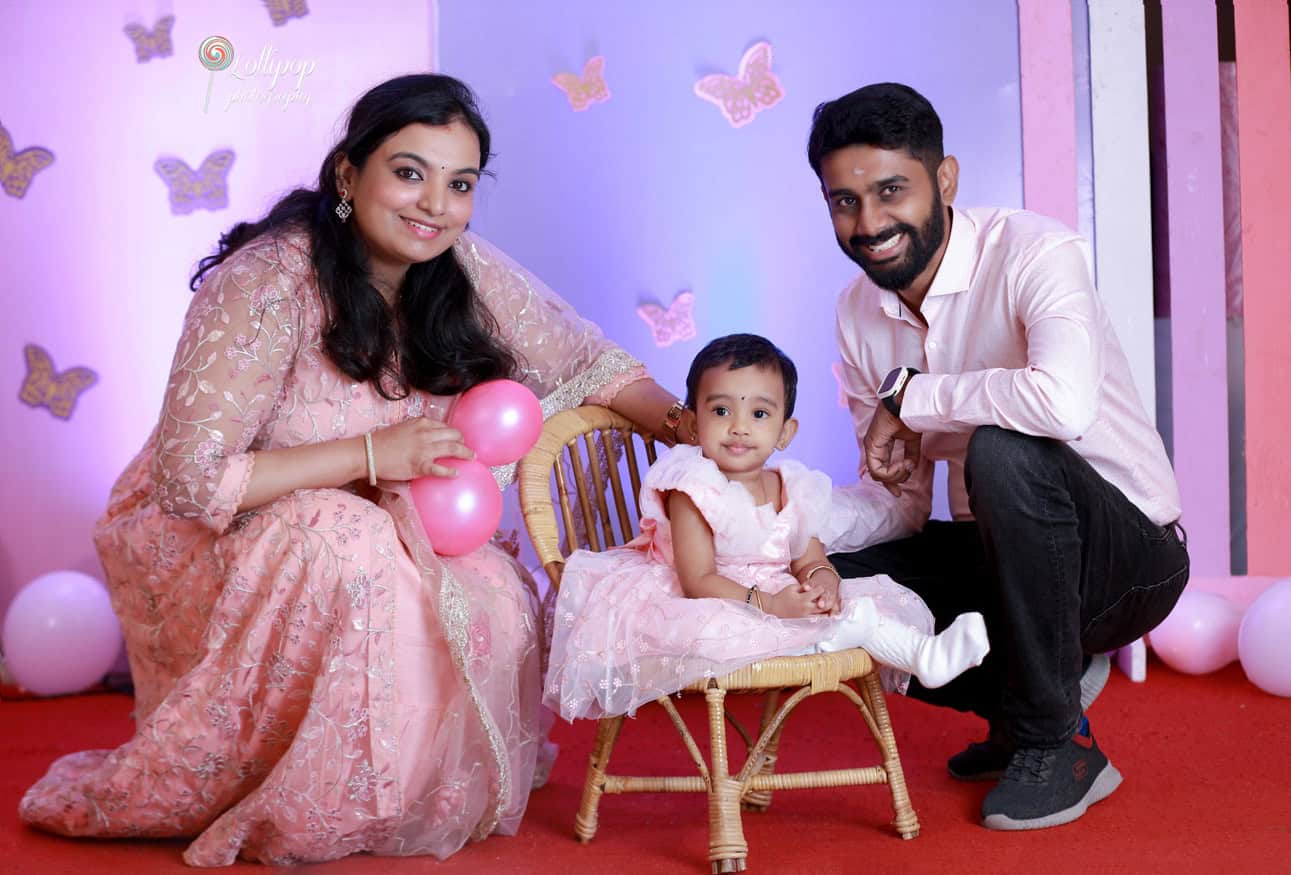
column 885, row 464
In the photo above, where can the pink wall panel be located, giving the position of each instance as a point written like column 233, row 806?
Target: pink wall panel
column 1264, row 131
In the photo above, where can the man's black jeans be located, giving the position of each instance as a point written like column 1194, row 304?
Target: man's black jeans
column 1059, row 562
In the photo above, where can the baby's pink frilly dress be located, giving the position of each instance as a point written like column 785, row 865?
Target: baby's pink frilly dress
column 625, row 634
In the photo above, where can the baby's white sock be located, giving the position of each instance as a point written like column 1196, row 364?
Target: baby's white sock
column 934, row 659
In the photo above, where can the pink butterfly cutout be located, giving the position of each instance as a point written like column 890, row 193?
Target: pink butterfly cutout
column 743, row 97
column 837, row 370
column 673, row 324
column 587, row 89
column 155, row 43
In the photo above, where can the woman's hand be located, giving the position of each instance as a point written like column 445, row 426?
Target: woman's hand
column 792, row 602
column 410, row 449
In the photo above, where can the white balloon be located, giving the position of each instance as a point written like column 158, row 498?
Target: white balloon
column 60, row 634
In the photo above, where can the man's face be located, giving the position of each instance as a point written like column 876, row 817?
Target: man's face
column 888, row 212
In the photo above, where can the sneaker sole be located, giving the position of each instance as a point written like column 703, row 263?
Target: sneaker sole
column 1102, row 787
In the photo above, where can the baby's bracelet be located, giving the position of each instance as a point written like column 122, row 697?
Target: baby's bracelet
column 748, row 596
column 823, row 565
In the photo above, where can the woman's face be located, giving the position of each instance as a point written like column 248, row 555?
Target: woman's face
column 413, row 196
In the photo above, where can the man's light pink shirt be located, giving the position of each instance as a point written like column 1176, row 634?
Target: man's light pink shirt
column 1017, row 337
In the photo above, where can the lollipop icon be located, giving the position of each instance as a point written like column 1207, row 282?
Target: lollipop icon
column 215, row 53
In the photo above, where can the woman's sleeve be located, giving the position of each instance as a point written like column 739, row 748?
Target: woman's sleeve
column 239, row 342
column 565, row 359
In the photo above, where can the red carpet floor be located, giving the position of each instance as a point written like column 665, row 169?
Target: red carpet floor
column 1207, row 789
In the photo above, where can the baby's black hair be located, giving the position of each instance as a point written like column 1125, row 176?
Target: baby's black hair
column 740, row 351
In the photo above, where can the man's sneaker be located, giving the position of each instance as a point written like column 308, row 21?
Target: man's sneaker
column 982, row 760
column 986, row 760
column 1045, row 787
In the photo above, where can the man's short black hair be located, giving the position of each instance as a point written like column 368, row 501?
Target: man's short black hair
column 886, row 115
column 737, row 351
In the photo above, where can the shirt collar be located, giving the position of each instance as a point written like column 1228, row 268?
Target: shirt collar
column 956, row 269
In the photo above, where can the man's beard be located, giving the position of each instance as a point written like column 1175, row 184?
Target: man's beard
column 923, row 244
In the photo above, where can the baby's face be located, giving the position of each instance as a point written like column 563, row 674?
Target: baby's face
column 740, row 416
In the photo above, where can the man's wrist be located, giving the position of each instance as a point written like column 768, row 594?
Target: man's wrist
column 892, row 389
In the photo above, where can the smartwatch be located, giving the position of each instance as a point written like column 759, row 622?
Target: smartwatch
column 891, row 387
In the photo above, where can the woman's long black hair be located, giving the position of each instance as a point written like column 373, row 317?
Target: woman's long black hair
column 448, row 340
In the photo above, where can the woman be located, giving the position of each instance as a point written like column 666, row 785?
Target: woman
column 312, row 680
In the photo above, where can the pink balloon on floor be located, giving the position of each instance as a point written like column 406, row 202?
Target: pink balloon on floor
column 460, row 514
column 500, row 420
column 1199, row 635
column 60, row 635
column 1263, row 640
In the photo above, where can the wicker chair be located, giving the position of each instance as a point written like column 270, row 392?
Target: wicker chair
column 590, row 437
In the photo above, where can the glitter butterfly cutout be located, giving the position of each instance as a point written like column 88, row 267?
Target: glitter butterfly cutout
column 282, row 10
column 155, row 43
column 207, row 187
column 17, row 170
column 837, row 370
column 673, row 324
column 587, row 89
column 742, row 97
column 43, row 387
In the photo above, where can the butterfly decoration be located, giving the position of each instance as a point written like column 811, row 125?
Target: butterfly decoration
column 742, row 97
column 673, row 324
column 155, row 43
column 282, row 10
column 45, row 388
column 837, row 369
column 587, row 89
column 207, row 187
column 16, row 170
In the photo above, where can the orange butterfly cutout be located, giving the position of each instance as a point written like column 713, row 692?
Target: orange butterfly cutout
column 587, row 89
column 45, row 388
column 17, row 170
column 742, row 97
column 281, row 10
column 155, row 43
column 206, row 187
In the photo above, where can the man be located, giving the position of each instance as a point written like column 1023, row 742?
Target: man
column 977, row 337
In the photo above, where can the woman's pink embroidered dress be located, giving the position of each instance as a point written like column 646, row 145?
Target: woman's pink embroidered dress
column 312, row 680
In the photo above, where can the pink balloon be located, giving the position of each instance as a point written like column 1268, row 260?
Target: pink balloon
column 60, row 635
column 500, row 420
column 1262, row 640
column 1199, row 635
column 459, row 513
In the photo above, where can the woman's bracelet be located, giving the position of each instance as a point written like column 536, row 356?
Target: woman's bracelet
column 372, row 460
column 672, row 419
column 823, row 565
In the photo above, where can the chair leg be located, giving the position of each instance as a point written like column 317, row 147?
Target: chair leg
column 607, row 732
column 760, row 800
column 905, row 821
column 727, row 850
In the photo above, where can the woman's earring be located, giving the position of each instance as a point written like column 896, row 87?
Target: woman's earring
column 343, row 208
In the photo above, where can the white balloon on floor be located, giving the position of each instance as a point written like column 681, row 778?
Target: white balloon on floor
column 1262, row 642
column 60, row 634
